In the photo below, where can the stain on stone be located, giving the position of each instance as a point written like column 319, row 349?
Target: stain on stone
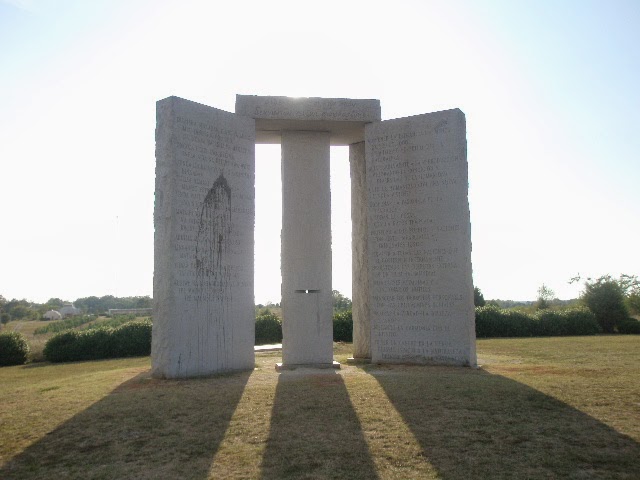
column 214, row 231
column 213, row 274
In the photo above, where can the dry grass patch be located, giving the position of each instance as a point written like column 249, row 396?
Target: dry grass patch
column 539, row 408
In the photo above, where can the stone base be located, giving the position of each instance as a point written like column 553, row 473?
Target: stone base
column 358, row 360
column 280, row 367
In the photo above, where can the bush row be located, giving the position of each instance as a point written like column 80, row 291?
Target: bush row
column 14, row 349
column 132, row 339
column 114, row 321
column 343, row 327
column 629, row 326
column 66, row 324
column 269, row 328
column 494, row 322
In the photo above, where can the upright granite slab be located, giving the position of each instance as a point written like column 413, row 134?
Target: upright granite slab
column 203, row 317
column 419, row 242
column 307, row 327
column 359, row 253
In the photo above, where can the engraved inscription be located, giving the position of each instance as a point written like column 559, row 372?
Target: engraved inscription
column 419, row 240
column 206, row 241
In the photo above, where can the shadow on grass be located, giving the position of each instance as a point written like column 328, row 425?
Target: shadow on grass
column 472, row 424
column 144, row 429
column 315, row 432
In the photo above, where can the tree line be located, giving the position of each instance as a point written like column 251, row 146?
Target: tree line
column 22, row 309
column 612, row 300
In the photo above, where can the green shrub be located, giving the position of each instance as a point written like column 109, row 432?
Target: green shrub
column 72, row 346
column 577, row 321
column 605, row 297
column 549, row 323
column 581, row 321
column 62, row 347
column 268, row 329
column 492, row 321
column 629, row 326
column 133, row 339
column 129, row 340
column 343, row 327
column 14, row 349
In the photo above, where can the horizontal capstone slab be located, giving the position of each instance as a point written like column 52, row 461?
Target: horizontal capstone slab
column 344, row 118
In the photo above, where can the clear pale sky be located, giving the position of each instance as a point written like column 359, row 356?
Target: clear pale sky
column 550, row 90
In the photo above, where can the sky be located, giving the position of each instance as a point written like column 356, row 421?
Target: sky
column 549, row 90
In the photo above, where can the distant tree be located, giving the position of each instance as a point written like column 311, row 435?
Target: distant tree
column 4, row 316
column 143, row 302
column 633, row 302
column 631, row 286
column 545, row 296
column 19, row 310
column 340, row 302
column 51, row 304
column 55, row 303
column 89, row 304
column 478, row 298
column 605, row 297
column 95, row 305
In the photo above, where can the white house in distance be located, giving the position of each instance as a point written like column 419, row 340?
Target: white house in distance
column 69, row 310
column 52, row 315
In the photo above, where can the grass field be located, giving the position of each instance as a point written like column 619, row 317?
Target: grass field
column 537, row 408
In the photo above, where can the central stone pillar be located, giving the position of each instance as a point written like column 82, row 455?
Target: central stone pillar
column 306, row 250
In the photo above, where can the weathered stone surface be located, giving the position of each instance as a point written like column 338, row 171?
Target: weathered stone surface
column 306, row 250
column 359, row 259
column 419, row 240
column 204, row 220
column 343, row 118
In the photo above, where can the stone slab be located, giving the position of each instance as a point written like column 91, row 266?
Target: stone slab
column 203, row 312
column 281, row 366
column 307, row 311
column 359, row 257
column 343, row 118
column 419, row 244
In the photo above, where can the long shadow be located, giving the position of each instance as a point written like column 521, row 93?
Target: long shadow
column 315, row 432
column 472, row 424
column 145, row 428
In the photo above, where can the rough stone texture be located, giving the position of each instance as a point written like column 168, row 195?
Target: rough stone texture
column 359, row 260
column 306, row 250
column 203, row 315
column 419, row 241
column 344, row 118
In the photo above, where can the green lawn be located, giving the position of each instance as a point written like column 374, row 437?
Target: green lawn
column 537, row 408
